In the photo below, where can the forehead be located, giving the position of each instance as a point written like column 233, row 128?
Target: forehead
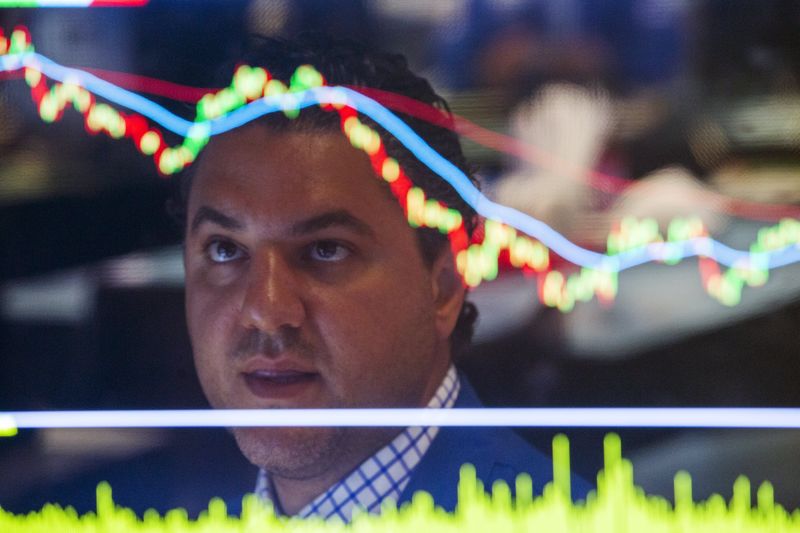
column 278, row 177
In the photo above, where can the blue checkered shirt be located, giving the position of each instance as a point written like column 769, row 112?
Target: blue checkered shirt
column 382, row 476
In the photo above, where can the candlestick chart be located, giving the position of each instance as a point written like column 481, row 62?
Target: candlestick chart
column 566, row 272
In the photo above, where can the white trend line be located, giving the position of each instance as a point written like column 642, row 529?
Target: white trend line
column 760, row 418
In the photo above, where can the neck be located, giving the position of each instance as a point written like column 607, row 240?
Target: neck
column 295, row 493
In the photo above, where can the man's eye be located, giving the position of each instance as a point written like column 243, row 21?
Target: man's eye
column 223, row 251
column 328, row 251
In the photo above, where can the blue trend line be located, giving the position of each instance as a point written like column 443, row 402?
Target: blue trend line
column 100, row 87
column 703, row 246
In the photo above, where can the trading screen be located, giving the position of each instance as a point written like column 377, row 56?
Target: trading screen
column 632, row 258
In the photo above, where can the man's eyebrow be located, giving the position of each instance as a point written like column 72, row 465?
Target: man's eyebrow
column 209, row 214
column 340, row 218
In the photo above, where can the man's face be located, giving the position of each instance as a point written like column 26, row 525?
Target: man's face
column 305, row 287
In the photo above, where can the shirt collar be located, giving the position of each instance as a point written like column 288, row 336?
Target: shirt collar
column 382, row 476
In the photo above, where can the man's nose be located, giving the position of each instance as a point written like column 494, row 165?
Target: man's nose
column 272, row 298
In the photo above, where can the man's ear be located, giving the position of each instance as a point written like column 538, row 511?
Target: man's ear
column 448, row 292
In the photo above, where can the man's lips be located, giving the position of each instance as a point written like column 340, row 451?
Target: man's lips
column 275, row 379
column 286, row 377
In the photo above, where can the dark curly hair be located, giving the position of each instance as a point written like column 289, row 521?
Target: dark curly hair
column 344, row 62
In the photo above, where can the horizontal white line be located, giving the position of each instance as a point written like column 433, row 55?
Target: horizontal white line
column 763, row 418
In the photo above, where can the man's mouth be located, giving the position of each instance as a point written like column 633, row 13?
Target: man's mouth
column 276, row 384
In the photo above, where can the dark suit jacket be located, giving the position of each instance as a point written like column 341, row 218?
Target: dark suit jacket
column 496, row 454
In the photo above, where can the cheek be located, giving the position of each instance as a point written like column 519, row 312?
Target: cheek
column 211, row 318
column 210, row 303
column 377, row 335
